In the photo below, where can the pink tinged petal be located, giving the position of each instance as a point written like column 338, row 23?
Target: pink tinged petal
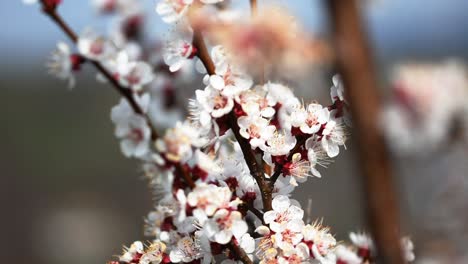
column 269, row 216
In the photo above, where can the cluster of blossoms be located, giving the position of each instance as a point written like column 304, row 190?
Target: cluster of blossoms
column 422, row 116
column 223, row 177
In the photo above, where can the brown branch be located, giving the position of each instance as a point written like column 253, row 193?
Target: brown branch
column 254, row 7
column 125, row 92
column 355, row 65
column 240, row 253
column 202, row 52
column 255, row 211
column 255, row 168
column 185, row 174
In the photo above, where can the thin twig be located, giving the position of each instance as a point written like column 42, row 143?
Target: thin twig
column 202, row 52
column 256, row 212
column 125, row 92
column 355, row 65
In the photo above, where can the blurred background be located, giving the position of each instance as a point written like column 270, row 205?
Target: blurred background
column 69, row 195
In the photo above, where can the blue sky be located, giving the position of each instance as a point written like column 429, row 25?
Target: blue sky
column 398, row 28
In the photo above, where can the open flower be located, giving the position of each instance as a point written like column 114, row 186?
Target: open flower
column 135, row 75
column 333, row 137
column 279, row 144
column 177, row 53
column 320, row 241
column 133, row 253
column 208, row 198
column 62, row 63
column 132, row 129
column 153, row 254
column 315, row 116
column 256, row 129
column 299, row 254
column 299, row 169
column 186, row 250
column 135, row 136
column 289, row 234
column 283, row 211
column 255, row 102
column 224, row 225
column 214, row 102
column 230, row 80
column 131, row 74
column 176, row 145
column 95, row 47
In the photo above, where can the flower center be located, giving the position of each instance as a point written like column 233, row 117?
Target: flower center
column 220, row 102
column 311, row 120
column 136, row 135
column 254, row 131
column 97, row 47
column 133, row 78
